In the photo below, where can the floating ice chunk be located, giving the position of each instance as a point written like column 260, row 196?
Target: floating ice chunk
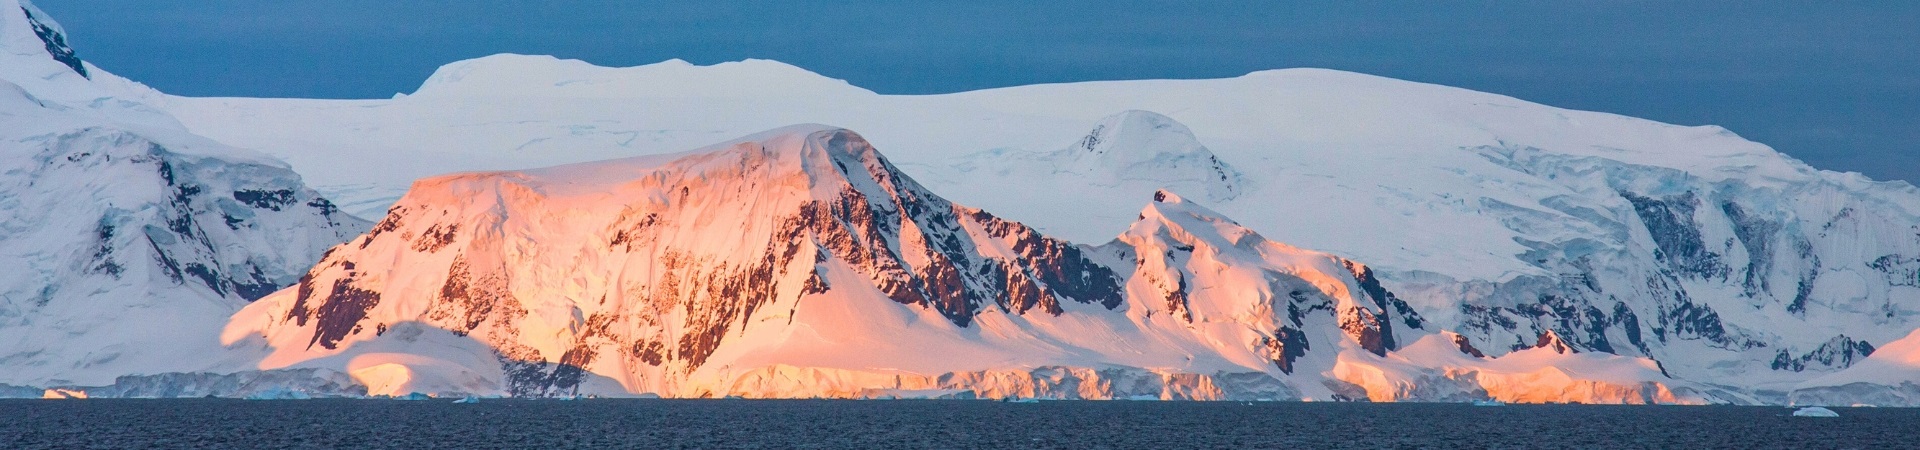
column 1815, row 411
column 468, row 399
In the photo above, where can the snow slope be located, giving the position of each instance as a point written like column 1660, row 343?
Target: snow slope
column 130, row 240
column 1497, row 218
column 1889, row 377
column 799, row 263
column 1640, row 252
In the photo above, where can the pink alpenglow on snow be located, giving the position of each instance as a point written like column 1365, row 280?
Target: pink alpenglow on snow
column 799, row 262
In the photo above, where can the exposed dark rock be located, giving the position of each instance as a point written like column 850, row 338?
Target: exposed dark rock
column 207, row 276
column 1688, row 320
column 1466, row 346
column 1630, row 323
column 388, row 224
column 815, row 284
column 56, row 44
column 1061, row 267
column 1551, row 340
column 1386, row 301
column 1092, row 140
column 1566, row 307
column 102, row 260
column 1803, row 291
column 650, row 352
column 256, row 287
column 335, row 316
column 1365, row 327
column 167, row 265
column 1900, row 270
column 1300, row 303
column 1486, row 318
column 265, row 199
column 467, row 300
column 436, row 237
column 1671, row 223
column 1176, row 297
column 1286, row 345
column 1757, row 235
column 325, row 206
column 529, row 376
column 1840, row 352
column 631, row 228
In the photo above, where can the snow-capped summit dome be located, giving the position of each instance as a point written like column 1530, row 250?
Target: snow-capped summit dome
column 37, row 60
column 508, row 74
column 1148, row 146
column 33, row 47
column 1136, row 136
column 812, row 155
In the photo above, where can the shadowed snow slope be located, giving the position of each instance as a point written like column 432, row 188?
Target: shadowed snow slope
column 1637, row 252
column 1890, row 377
column 130, row 241
column 798, row 262
column 1496, row 218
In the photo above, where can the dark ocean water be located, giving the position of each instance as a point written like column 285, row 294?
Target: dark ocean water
column 211, row 423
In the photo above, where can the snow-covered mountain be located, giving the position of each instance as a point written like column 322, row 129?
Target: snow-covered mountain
column 800, row 263
column 129, row 241
column 1500, row 220
column 1541, row 254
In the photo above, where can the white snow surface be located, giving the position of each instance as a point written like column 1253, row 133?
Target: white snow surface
column 1890, row 377
column 594, row 264
column 1498, row 218
column 130, row 239
column 1815, row 411
column 1714, row 267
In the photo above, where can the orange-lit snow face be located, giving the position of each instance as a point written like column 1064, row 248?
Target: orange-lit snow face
column 64, row 394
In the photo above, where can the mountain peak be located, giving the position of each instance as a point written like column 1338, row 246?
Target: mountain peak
column 775, row 228
column 509, row 74
column 1136, row 136
column 821, row 157
column 33, row 45
column 1189, row 222
column 1148, row 146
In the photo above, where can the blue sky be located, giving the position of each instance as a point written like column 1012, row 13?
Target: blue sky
column 1837, row 85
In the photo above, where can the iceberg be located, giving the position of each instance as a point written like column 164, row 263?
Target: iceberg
column 1815, row 411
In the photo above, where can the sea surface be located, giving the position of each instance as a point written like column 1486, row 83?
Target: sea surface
column 220, row 423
